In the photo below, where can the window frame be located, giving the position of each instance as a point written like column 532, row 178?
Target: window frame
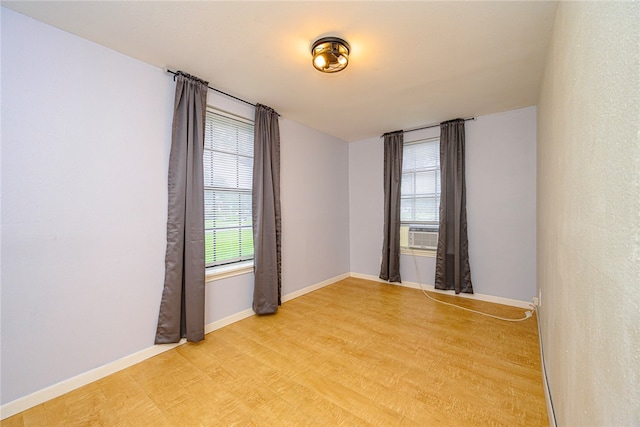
column 405, row 224
column 242, row 265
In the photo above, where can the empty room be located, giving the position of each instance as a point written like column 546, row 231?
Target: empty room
column 320, row 213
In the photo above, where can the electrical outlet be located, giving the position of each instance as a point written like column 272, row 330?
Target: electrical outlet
column 539, row 298
column 535, row 301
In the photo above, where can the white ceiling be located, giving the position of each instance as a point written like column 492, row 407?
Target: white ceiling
column 412, row 63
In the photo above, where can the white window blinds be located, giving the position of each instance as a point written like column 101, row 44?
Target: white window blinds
column 420, row 191
column 228, row 171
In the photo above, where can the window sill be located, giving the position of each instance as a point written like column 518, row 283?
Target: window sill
column 418, row 252
column 225, row 271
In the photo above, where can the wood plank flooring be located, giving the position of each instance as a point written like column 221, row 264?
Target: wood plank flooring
column 353, row 353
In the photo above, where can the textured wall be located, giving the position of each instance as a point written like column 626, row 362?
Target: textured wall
column 589, row 213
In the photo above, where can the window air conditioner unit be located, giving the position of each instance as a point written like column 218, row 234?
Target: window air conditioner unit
column 423, row 238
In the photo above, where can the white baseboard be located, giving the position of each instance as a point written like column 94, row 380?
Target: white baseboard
column 311, row 288
column 55, row 390
column 430, row 288
column 233, row 318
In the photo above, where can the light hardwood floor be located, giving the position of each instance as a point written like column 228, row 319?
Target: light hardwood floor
column 353, row 353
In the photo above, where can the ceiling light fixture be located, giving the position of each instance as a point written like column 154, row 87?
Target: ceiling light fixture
column 330, row 54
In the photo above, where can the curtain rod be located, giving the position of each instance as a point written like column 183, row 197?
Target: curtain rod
column 214, row 89
column 425, row 127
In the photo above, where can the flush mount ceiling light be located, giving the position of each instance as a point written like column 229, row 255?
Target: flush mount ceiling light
column 330, row 54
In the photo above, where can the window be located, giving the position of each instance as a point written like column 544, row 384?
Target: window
column 228, row 173
column 420, row 191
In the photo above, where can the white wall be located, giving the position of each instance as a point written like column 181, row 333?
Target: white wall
column 589, row 213
column 366, row 205
column 500, row 173
column 85, row 146
column 315, row 206
column 501, row 203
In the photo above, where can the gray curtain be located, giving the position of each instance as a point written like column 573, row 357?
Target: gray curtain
column 452, row 257
column 266, row 212
column 390, row 268
column 182, row 305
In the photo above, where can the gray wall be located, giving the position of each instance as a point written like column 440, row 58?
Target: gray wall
column 589, row 213
column 501, row 200
column 85, row 145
